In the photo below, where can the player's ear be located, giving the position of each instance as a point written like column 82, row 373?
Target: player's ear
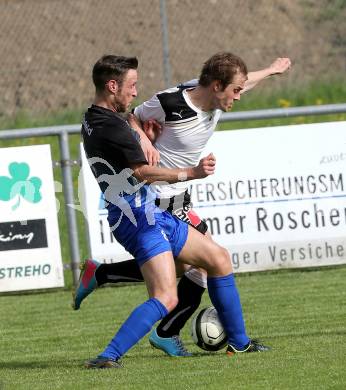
column 216, row 85
column 112, row 86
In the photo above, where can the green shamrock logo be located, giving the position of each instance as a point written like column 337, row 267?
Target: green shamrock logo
column 19, row 185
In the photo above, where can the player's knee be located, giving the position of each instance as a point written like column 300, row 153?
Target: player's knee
column 170, row 301
column 222, row 261
column 226, row 258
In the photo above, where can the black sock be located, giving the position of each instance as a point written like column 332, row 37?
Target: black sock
column 189, row 295
column 124, row 271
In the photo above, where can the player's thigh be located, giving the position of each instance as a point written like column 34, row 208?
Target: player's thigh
column 203, row 252
column 160, row 278
column 183, row 268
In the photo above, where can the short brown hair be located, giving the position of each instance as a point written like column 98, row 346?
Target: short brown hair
column 223, row 67
column 111, row 67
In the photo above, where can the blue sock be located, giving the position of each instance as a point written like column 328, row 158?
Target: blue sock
column 135, row 327
column 225, row 298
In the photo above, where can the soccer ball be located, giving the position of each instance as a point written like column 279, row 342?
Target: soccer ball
column 207, row 331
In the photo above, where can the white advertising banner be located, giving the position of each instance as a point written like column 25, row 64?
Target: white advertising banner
column 277, row 199
column 30, row 255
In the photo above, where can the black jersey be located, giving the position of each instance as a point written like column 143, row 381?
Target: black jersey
column 110, row 144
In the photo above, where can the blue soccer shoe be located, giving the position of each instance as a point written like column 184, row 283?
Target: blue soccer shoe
column 172, row 346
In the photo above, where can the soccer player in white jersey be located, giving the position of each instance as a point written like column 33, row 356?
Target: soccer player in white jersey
column 184, row 119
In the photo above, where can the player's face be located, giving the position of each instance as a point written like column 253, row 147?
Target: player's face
column 224, row 99
column 127, row 92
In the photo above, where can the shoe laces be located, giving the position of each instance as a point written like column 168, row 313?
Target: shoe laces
column 178, row 342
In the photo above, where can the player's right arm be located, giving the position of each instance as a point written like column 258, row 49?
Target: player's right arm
column 151, row 174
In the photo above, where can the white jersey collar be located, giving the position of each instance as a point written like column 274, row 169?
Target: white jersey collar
column 191, row 105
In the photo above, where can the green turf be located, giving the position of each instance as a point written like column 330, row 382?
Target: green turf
column 301, row 314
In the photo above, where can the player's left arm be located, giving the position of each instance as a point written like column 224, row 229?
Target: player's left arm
column 152, row 116
column 279, row 66
column 151, row 154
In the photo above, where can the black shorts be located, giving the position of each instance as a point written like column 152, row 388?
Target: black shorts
column 181, row 207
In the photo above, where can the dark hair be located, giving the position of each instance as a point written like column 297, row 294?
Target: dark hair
column 223, row 67
column 110, row 67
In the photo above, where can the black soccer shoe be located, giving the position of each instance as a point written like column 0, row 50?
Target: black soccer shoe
column 102, row 362
column 253, row 346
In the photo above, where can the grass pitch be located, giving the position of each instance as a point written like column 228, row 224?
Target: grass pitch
column 301, row 314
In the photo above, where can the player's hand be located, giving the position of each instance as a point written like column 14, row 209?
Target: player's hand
column 152, row 129
column 151, row 154
column 205, row 167
column 280, row 65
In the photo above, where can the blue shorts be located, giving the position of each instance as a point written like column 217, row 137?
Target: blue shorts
column 146, row 240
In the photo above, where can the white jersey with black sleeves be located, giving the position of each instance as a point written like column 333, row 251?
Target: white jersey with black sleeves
column 185, row 130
